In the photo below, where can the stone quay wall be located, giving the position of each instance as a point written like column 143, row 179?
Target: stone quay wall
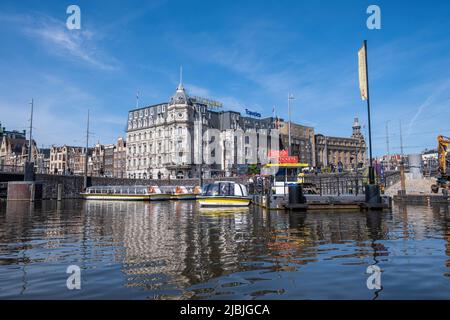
column 73, row 185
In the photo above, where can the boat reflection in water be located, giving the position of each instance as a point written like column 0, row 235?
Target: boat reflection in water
column 219, row 211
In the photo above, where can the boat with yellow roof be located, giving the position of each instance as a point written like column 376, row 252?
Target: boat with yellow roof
column 224, row 194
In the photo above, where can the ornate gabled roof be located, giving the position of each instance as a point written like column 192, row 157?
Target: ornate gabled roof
column 180, row 96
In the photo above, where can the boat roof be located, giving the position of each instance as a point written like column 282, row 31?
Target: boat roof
column 121, row 186
column 226, row 182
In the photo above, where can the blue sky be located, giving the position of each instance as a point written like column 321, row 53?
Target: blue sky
column 247, row 54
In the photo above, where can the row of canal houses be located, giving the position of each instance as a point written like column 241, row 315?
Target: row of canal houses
column 103, row 160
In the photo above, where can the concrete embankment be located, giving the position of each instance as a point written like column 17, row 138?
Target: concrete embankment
column 418, row 191
column 413, row 186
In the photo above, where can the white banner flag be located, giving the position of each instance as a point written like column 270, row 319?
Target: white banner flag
column 362, row 72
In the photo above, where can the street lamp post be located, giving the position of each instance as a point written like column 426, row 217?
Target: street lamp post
column 29, row 164
column 86, row 157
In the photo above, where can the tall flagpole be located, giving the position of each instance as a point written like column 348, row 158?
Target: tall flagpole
column 137, row 99
column 371, row 171
column 402, row 164
column 387, row 144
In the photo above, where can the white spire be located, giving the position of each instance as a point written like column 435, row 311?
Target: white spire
column 180, row 96
column 180, row 84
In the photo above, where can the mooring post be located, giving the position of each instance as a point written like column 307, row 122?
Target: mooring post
column 320, row 185
column 337, row 180
column 59, row 191
column 32, row 192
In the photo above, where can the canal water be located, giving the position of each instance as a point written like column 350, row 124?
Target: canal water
column 175, row 250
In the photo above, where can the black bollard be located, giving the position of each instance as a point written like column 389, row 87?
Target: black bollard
column 373, row 195
column 296, row 194
column 29, row 172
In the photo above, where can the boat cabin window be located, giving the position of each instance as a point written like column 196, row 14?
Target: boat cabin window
column 219, row 189
column 117, row 190
column 226, row 189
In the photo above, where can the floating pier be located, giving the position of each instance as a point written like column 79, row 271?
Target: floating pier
column 424, row 199
column 317, row 202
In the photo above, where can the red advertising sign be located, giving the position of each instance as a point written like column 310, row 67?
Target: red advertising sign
column 278, row 153
column 282, row 156
column 288, row 159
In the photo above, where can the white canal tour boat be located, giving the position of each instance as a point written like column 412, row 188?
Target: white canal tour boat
column 185, row 193
column 224, row 194
column 152, row 193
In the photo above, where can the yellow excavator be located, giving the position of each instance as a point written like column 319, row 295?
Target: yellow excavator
column 443, row 178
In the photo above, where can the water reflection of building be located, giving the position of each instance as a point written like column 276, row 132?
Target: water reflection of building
column 171, row 243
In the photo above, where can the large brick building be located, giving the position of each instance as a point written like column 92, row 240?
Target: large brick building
column 350, row 153
column 302, row 142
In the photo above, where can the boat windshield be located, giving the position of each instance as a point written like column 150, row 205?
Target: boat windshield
column 219, row 189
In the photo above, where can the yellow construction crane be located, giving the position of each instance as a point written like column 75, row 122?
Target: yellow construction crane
column 443, row 178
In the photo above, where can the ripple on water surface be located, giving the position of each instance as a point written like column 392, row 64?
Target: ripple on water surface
column 174, row 250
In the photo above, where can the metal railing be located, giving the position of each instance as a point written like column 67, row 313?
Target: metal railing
column 336, row 184
column 11, row 169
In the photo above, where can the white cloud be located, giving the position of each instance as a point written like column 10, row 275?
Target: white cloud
column 80, row 45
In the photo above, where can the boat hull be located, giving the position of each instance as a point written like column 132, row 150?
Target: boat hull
column 224, row 201
column 125, row 197
column 158, row 197
column 121, row 197
column 183, row 196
